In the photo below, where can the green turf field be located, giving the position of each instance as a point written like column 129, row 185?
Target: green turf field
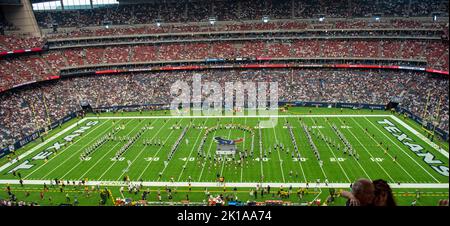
column 372, row 143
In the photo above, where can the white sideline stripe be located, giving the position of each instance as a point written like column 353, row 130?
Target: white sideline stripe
column 234, row 116
column 215, row 184
column 421, row 136
column 25, row 154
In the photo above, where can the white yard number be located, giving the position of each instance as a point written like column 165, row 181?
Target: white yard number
column 149, row 159
column 376, row 159
column 337, row 159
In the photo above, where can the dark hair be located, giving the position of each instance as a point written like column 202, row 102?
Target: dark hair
column 383, row 190
column 363, row 190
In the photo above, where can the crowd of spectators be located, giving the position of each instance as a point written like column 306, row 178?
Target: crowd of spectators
column 329, row 86
column 433, row 52
column 24, row 69
column 234, row 10
column 245, row 26
column 24, row 110
column 14, row 42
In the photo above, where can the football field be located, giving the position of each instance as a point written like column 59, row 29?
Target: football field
column 314, row 147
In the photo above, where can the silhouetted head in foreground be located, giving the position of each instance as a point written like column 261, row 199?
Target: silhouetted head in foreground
column 364, row 191
column 383, row 194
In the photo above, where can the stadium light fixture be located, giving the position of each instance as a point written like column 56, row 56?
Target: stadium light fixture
column 158, row 22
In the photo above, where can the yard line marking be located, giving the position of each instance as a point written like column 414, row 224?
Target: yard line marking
column 190, row 153
column 114, row 163
column 44, row 164
column 243, row 149
column 278, row 151
column 421, row 136
column 25, row 154
column 321, row 167
column 81, row 149
column 207, row 155
column 299, row 162
column 159, row 149
column 229, row 184
column 364, row 147
column 402, row 150
column 317, row 196
column 224, row 160
column 386, row 152
column 357, row 161
column 143, row 149
column 260, row 152
column 333, row 154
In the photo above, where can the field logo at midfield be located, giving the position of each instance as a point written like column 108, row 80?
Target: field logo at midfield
column 236, row 98
column 220, row 140
column 55, row 147
column 427, row 157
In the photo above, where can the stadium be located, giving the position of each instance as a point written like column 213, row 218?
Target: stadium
column 224, row 103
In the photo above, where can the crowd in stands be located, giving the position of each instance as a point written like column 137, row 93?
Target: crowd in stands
column 234, row 10
column 246, row 26
column 434, row 52
column 24, row 110
column 41, row 67
column 329, row 86
column 15, row 42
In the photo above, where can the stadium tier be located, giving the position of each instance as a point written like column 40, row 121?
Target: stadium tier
column 87, row 92
column 320, row 85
